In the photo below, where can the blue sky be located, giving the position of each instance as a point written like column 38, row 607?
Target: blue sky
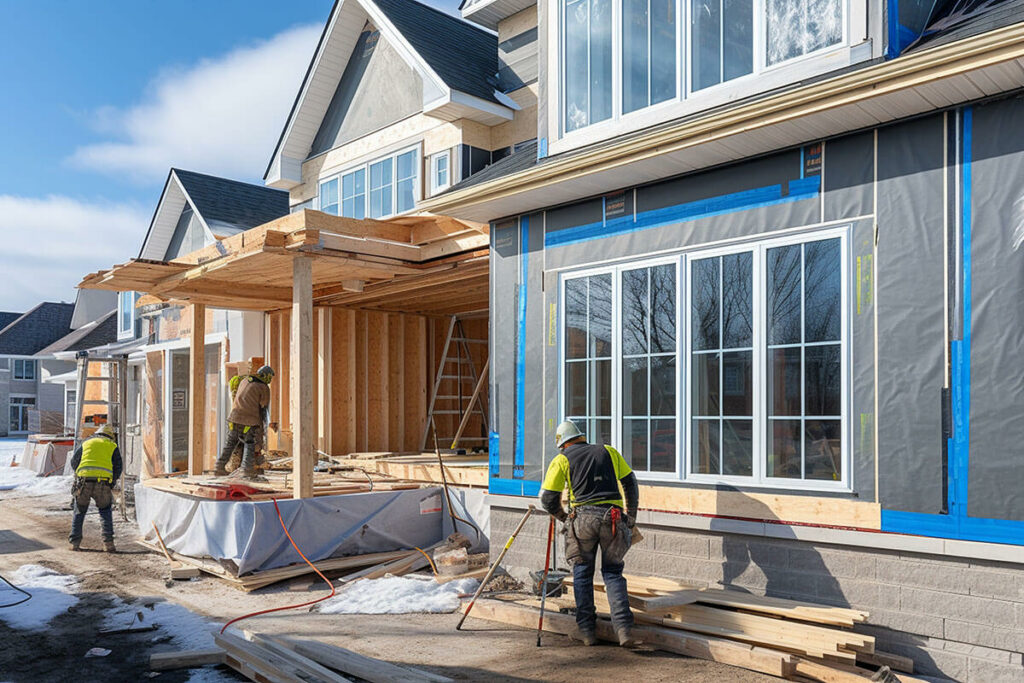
column 98, row 100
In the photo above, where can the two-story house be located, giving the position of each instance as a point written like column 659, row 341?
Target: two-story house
column 22, row 376
column 771, row 251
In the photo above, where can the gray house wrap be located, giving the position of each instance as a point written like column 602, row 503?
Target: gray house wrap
column 895, row 191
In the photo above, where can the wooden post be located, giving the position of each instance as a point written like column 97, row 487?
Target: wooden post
column 300, row 373
column 323, row 370
column 197, row 390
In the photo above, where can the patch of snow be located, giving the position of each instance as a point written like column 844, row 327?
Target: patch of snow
column 24, row 480
column 52, row 594
column 10, row 449
column 399, row 595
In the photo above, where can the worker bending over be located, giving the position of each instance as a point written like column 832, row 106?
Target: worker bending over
column 245, row 421
column 596, row 518
column 97, row 465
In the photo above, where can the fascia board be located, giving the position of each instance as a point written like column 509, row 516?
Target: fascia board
column 888, row 77
column 165, row 198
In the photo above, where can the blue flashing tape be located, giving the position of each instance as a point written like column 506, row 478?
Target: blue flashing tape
column 961, row 527
column 531, row 488
column 518, row 457
column 892, row 21
column 494, row 454
column 964, row 457
column 505, row 487
column 542, row 148
column 798, row 189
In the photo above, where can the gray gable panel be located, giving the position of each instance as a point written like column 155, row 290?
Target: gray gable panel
column 464, row 56
column 377, row 89
column 36, row 329
column 232, row 204
column 188, row 235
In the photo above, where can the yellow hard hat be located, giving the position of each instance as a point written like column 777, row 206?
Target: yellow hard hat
column 107, row 431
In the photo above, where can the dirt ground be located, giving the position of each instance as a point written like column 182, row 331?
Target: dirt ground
column 34, row 531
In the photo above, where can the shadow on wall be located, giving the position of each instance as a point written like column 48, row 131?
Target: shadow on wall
column 781, row 566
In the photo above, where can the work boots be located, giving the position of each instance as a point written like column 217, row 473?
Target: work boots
column 220, row 472
column 626, row 637
column 76, row 545
column 108, row 546
column 586, row 637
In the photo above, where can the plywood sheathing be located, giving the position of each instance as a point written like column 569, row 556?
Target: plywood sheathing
column 252, row 270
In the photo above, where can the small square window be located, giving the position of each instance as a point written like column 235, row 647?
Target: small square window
column 440, row 172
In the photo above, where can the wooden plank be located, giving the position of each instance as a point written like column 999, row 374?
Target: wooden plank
column 377, row 381
column 197, row 388
column 272, row 665
column 301, row 370
column 395, row 380
column 185, row 659
column 819, row 671
column 790, row 609
column 415, row 385
column 889, row 659
column 690, row 644
column 349, row 662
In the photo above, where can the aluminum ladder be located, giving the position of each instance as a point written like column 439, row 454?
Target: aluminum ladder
column 115, row 376
column 457, row 373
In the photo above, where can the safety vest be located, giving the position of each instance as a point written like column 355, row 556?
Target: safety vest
column 97, row 459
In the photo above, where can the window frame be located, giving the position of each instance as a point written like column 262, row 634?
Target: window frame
column 25, row 363
column 684, row 259
column 20, row 403
column 365, row 167
column 129, row 331
column 436, row 187
column 763, row 76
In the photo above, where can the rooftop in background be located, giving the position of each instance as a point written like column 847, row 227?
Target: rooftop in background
column 36, row 329
column 231, row 206
column 96, row 333
column 7, row 317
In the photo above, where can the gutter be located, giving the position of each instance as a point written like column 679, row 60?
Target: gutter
column 886, row 78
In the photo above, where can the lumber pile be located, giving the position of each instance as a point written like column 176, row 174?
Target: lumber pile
column 784, row 638
column 262, row 657
column 278, row 485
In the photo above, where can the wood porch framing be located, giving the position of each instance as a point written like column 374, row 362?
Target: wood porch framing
column 423, row 265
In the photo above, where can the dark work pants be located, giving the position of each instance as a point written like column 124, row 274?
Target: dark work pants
column 589, row 529
column 101, row 492
column 247, row 435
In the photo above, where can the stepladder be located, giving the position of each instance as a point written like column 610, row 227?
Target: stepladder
column 459, row 390
column 101, row 398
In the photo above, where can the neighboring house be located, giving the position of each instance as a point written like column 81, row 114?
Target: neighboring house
column 400, row 102
column 93, row 324
column 771, row 251
column 22, row 376
column 195, row 210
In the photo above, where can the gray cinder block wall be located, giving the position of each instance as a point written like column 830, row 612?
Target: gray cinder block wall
column 958, row 618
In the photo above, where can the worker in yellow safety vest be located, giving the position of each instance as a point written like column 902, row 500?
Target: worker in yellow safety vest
column 245, row 421
column 600, row 516
column 97, row 464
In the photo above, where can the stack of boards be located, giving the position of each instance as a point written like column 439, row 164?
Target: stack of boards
column 785, row 638
column 261, row 657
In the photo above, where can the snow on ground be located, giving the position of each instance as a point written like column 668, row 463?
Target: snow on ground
column 52, row 594
column 399, row 595
column 23, row 480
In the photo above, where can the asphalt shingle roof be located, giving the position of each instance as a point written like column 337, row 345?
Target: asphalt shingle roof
column 520, row 160
column 463, row 55
column 36, row 329
column 8, row 317
column 230, row 206
column 104, row 331
column 959, row 20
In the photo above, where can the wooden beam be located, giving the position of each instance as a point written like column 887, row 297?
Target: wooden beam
column 197, row 389
column 323, row 362
column 352, row 285
column 301, row 375
column 187, row 659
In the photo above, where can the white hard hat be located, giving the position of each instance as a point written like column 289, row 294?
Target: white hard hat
column 567, row 431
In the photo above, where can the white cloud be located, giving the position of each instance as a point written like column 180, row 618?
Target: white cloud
column 220, row 116
column 51, row 243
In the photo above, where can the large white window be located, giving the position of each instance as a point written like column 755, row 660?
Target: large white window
column 381, row 188
column 724, row 365
column 24, row 369
column 622, row 56
column 18, row 413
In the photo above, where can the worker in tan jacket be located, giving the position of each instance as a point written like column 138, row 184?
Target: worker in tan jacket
column 247, row 417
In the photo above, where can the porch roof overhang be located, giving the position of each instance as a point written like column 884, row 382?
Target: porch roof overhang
column 425, row 264
column 985, row 65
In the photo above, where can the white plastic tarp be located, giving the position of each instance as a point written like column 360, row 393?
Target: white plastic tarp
column 249, row 534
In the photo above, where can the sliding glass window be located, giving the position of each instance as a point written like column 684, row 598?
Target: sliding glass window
column 381, row 188
column 721, row 41
column 587, row 59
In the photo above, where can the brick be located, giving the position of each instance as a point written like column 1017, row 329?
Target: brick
column 750, row 577
column 932, row 661
column 987, row 671
column 687, row 545
column 959, row 607
column 1004, row 585
column 979, row 652
column 737, row 549
column 897, row 626
column 987, row 636
column 949, row 579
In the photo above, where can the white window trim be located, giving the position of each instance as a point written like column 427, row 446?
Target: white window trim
column 126, row 333
column 14, row 373
column 365, row 166
column 684, row 258
column 434, row 158
column 763, row 78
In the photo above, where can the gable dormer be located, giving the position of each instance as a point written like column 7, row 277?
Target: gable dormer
column 380, row 62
